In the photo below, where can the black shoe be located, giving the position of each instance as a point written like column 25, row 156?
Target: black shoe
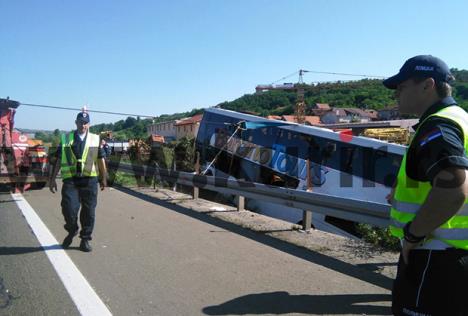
column 85, row 246
column 67, row 241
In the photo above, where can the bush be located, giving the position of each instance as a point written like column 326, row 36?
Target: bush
column 378, row 236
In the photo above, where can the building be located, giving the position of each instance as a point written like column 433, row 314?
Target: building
column 274, row 117
column 389, row 113
column 308, row 120
column 374, row 114
column 188, row 127
column 346, row 115
column 319, row 109
column 166, row 129
column 156, row 140
column 357, row 115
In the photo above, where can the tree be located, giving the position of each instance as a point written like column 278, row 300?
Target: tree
column 129, row 122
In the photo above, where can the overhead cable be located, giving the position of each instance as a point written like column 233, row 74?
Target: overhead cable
column 346, row 74
column 331, row 73
column 79, row 109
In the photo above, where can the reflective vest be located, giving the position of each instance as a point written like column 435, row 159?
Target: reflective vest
column 70, row 163
column 410, row 195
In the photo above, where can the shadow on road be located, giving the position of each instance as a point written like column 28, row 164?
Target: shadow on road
column 284, row 303
column 309, row 255
column 7, row 251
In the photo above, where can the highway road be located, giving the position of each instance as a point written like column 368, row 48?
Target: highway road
column 155, row 258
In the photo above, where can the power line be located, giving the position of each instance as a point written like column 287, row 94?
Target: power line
column 346, row 74
column 330, row 73
column 79, row 109
column 286, row 77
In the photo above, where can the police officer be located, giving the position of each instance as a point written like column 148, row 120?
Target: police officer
column 106, row 149
column 79, row 157
column 429, row 201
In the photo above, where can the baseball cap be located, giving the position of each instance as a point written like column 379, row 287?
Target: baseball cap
column 83, row 117
column 420, row 66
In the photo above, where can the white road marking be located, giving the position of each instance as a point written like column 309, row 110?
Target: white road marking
column 82, row 294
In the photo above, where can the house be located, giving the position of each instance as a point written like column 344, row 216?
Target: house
column 321, row 106
column 156, row 140
column 308, row 120
column 188, row 127
column 389, row 113
column 319, row 109
column 166, row 129
column 357, row 115
column 373, row 114
column 274, row 117
column 346, row 115
column 330, row 118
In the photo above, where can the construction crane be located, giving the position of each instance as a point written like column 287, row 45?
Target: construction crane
column 299, row 88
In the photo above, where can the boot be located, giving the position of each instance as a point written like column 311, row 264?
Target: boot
column 85, row 246
column 67, row 241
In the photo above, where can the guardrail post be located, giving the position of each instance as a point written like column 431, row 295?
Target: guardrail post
column 240, row 202
column 155, row 175
column 196, row 190
column 306, row 220
column 174, row 188
column 307, row 215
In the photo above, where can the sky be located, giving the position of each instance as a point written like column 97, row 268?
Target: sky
column 164, row 57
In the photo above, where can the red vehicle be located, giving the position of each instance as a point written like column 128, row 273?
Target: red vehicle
column 21, row 166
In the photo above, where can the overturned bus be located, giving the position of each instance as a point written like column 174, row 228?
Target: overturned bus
column 256, row 149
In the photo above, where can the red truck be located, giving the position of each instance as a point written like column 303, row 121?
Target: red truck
column 22, row 166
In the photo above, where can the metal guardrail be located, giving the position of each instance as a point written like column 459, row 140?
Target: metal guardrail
column 4, row 179
column 376, row 214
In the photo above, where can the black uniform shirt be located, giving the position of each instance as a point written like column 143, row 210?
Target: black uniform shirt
column 438, row 144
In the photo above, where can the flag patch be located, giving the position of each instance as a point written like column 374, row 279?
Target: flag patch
column 431, row 135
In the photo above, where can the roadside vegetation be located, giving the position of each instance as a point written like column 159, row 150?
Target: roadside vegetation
column 378, row 236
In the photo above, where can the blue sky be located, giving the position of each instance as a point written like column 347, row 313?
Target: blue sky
column 163, row 57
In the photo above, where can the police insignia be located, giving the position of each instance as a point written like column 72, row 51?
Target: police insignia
column 431, row 135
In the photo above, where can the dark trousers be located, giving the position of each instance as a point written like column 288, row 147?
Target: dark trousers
column 435, row 282
column 75, row 194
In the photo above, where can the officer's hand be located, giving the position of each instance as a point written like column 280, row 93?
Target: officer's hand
column 103, row 185
column 53, row 186
column 406, row 248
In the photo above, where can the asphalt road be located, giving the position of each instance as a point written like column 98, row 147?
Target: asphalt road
column 160, row 259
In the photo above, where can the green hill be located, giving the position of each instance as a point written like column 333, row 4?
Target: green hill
column 364, row 94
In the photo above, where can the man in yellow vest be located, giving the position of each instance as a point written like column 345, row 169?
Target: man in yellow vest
column 79, row 157
column 429, row 201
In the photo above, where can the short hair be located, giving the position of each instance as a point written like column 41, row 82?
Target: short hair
column 443, row 88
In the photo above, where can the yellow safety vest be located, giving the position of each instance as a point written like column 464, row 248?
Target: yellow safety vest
column 410, row 195
column 69, row 161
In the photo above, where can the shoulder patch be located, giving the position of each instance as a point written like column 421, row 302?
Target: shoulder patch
column 430, row 135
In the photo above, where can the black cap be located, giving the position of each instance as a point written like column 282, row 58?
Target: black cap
column 420, row 66
column 83, row 117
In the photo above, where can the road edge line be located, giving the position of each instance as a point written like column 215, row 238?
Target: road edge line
column 83, row 295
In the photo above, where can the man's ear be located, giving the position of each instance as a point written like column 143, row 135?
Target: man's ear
column 429, row 84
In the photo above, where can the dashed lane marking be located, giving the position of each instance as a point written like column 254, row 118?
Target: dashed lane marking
column 82, row 294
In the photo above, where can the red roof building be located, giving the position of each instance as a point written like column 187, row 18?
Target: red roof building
column 308, row 120
column 188, row 127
